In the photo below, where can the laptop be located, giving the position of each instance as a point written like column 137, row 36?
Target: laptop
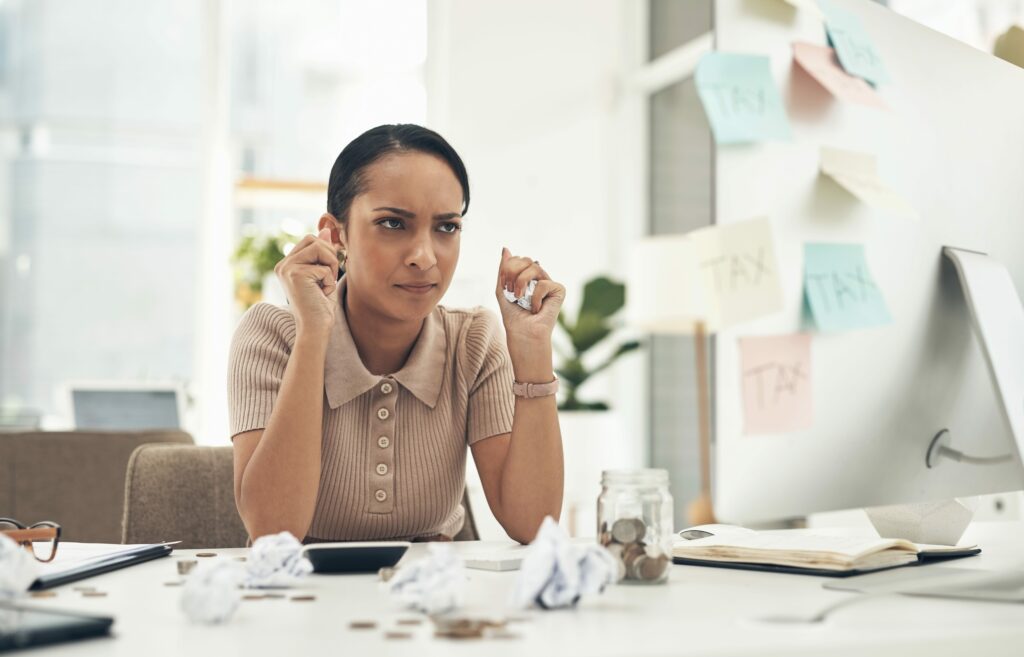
column 126, row 406
column 23, row 626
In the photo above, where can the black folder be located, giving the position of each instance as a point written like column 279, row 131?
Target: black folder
column 104, row 565
column 922, row 559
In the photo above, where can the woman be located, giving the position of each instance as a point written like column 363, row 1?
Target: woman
column 351, row 410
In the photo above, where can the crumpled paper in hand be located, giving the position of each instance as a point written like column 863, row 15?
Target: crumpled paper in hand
column 213, row 591
column 276, row 561
column 556, row 572
column 433, row 584
column 526, row 301
column 18, row 569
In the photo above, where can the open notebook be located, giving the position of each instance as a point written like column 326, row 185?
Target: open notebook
column 808, row 553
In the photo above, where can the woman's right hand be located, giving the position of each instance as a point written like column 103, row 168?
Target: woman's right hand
column 309, row 275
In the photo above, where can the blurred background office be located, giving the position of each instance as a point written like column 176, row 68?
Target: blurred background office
column 153, row 155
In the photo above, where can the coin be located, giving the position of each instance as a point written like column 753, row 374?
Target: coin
column 44, row 594
column 410, row 621
column 302, row 598
column 173, row 583
column 504, row 635
column 362, row 625
column 385, row 574
column 253, row 596
column 206, row 554
column 240, row 559
column 83, row 588
column 186, row 566
column 398, row 635
column 628, row 530
column 653, row 568
column 94, row 594
column 274, row 596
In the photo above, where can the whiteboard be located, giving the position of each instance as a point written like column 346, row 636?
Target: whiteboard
column 953, row 145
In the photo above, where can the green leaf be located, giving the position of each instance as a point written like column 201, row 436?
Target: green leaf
column 602, row 297
column 590, row 329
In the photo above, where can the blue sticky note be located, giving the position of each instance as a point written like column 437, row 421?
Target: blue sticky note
column 856, row 52
column 740, row 98
column 839, row 289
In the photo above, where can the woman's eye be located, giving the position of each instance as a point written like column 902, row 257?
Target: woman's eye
column 450, row 227
column 390, row 223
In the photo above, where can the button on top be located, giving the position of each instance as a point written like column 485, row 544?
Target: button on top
column 383, row 442
column 386, row 388
column 380, row 495
column 383, row 413
column 382, row 469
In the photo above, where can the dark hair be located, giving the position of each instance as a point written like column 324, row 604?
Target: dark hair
column 347, row 175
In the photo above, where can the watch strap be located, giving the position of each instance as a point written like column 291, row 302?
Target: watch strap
column 532, row 390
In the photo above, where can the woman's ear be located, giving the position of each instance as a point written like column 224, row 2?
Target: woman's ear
column 327, row 220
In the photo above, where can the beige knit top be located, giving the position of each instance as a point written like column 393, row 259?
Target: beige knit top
column 394, row 447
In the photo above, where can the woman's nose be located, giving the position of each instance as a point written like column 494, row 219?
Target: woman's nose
column 421, row 255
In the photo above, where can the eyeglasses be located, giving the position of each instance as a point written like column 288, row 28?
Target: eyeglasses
column 40, row 539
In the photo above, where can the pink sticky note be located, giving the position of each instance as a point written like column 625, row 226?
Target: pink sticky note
column 776, row 378
column 821, row 63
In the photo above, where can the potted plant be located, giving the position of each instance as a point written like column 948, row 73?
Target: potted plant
column 591, row 438
column 254, row 261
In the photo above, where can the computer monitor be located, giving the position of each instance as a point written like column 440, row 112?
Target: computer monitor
column 126, row 406
column 951, row 143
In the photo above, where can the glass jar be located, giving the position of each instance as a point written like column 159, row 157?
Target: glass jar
column 634, row 522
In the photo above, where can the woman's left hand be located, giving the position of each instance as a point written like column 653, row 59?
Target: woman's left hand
column 527, row 327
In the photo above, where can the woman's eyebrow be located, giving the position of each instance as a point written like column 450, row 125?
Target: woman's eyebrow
column 412, row 215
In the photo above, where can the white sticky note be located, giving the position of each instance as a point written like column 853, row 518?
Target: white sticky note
column 737, row 271
column 776, row 383
column 857, row 173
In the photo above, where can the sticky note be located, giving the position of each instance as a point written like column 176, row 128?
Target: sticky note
column 857, row 173
column 740, row 98
column 737, row 272
column 839, row 288
column 776, row 381
column 853, row 45
column 821, row 63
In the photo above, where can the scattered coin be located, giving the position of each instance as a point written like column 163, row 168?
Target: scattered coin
column 503, row 635
column 518, row 619
column 410, row 621
column 254, row 596
column 240, row 559
column 398, row 635
column 186, row 566
column 206, row 554
column 302, row 598
column 83, row 588
column 179, row 583
column 362, row 625
column 44, row 594
column 274, row 596
column 94, row 594
column 385, row 574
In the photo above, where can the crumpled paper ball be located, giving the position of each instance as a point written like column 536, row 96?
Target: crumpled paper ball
column 276, row 561
column 213, row 591
column 526, row 301
column 556, row 572
column 433, row 584
column 18, row 569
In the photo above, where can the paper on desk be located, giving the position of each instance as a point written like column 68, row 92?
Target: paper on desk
column 73, row 555
column 853, row 45
column 18, row 569
column 839, row 289
column 740, row 98
column 739, row 276
column 776, row 383
column 821, row 63
column 434, row 584
column 858, row 174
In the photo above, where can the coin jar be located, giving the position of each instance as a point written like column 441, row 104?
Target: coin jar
column 634, row 523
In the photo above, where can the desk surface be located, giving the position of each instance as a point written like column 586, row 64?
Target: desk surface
column 700, row 611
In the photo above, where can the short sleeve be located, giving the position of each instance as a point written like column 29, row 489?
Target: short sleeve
column 491, row 404
column 256, row 362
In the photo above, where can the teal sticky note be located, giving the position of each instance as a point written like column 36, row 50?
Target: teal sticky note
column 740, row 98
column 854, row 48
column 839, row 288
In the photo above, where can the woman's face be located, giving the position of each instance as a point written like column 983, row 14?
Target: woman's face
column 402, row 238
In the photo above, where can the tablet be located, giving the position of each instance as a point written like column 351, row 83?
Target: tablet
column 23, row 626
column 366, row 557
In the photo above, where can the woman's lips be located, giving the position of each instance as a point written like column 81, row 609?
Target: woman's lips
column 417, row 289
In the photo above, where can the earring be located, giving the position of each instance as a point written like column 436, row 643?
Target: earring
column 342, row 258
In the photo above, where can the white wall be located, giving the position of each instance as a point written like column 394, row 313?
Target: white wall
column 527, row 92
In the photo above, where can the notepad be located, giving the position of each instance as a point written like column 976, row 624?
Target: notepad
column 810, row 553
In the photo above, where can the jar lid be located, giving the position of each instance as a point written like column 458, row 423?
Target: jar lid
column 638, row 477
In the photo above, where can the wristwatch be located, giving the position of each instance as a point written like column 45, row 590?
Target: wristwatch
column 531, row 390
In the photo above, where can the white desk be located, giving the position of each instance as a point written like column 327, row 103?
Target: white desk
column 701, row 611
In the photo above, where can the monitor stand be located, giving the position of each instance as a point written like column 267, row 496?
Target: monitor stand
column 998, row 320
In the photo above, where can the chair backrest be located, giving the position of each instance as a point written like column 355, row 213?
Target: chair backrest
column 182, row 493
column 74, row 478
column 468, row 531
